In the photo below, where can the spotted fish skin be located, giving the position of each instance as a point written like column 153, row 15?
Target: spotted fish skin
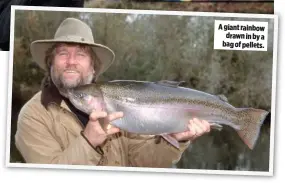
column 164, row 107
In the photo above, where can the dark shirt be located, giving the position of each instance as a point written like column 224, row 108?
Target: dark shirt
column 83, row 117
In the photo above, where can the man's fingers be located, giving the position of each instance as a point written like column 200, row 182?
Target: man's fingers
column 202, row 125
column 196, row 128
column 94, row 116
column 207, row 125
column 192, row 128
column 112, row 130
column 188, row 134
column 114, row 116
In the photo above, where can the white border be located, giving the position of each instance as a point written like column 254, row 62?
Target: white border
column 136, row 169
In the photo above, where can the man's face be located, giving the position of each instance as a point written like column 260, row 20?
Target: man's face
column 72, row 66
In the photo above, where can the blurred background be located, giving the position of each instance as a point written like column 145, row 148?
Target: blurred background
column 164, row 47
column 237, row 6
column 233, row 6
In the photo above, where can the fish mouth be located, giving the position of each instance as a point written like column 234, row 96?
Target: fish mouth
column 72, row 94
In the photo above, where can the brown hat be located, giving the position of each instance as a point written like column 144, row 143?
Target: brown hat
column 72, row 30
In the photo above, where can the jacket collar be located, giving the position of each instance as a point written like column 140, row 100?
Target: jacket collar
column 51, row 97
column 50, row 93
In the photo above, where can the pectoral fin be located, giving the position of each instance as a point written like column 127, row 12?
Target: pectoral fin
column 216, row 126
column 171, row 140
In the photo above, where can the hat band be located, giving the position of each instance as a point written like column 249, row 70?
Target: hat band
column 72, row 38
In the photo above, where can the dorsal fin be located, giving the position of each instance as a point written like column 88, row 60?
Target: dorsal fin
column 169, row 83
column 223, row 97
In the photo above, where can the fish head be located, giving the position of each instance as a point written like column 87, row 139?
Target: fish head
column 86, row 99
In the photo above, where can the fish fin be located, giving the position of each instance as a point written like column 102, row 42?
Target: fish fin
column 223, row 98
column 169, row 83
column 216, row 126
column 251, row 121
column 171, row 140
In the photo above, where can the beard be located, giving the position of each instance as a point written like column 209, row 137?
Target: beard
column 64, row 84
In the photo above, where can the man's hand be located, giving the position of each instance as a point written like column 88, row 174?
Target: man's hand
column 196, row 128
column 97, row 134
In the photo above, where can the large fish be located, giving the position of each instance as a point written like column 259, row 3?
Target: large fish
column 164, row 107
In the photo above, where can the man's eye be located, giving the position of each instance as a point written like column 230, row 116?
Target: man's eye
column 81, row 54
column 63, row 53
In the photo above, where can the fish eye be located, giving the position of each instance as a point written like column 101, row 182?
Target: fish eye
column 81, row 95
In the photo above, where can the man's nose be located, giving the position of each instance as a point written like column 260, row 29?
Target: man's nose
column 71, row 59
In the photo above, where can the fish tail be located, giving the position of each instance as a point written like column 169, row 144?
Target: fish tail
column 250, row 121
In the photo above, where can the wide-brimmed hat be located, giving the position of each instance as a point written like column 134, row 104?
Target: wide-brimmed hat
column 72, row 30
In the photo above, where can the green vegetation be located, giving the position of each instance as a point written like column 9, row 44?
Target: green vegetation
column 233, row 7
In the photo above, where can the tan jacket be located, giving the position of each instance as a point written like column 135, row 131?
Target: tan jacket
column 48, row 132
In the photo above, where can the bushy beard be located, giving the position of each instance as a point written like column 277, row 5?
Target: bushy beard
column 62, row 85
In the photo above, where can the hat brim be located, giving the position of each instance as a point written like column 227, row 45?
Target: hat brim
column 38, row 50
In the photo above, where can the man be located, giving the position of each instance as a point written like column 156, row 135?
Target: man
column 50, row 130
column 5, row 14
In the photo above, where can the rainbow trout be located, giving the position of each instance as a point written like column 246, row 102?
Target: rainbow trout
column 164, row 107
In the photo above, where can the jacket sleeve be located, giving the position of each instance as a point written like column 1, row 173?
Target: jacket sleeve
column 37, row 145
column 145, row 151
